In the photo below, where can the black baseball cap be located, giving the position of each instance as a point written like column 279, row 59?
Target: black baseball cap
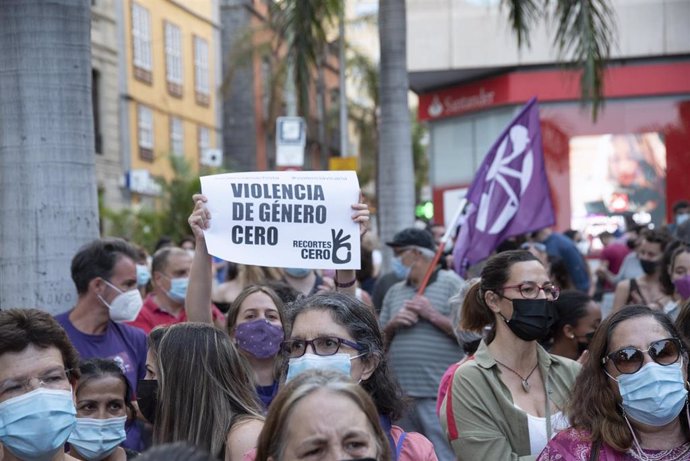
column 413, row 237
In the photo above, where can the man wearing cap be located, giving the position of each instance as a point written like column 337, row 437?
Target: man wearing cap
column 419, row 332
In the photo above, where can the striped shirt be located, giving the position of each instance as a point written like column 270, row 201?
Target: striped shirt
column 419, row 355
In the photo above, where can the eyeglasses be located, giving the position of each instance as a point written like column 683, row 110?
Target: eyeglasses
column 629, row 359
column 57, row 378
column 323, row 345
column 530, row 290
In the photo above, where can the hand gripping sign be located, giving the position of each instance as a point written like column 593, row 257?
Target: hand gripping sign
column 299, row 219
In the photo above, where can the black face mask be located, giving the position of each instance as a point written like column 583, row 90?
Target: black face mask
column 582, row 346
column 631, row 243
column 147, row 398
column 532, row 318
column 648, row 266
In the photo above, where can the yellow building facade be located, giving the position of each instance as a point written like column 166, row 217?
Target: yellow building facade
column 169, row 100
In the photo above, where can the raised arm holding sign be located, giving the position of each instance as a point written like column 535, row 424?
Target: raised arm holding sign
column 199, row 291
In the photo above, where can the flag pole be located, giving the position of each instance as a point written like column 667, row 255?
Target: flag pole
column 441, row 247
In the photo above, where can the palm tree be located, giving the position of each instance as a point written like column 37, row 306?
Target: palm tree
column 583, row 38
column 395, row 175
column 48, row 199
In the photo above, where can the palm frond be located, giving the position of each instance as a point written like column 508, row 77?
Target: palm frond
column 584, row 36
column 523, row 14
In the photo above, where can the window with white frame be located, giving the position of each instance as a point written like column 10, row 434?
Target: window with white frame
column 173, row 54
column 201, row 69
column 176, row 136
column 145, row 129
column 141, row 40
column 204, row 140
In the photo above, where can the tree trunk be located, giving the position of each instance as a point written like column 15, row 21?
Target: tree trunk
column 395, row 182
column 48, row 199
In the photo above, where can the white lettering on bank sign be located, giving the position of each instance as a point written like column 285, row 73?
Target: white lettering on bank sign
column 297, row 219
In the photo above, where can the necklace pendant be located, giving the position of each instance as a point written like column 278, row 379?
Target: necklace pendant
column 525, row 385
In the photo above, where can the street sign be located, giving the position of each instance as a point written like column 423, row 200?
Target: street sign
column 291, row 137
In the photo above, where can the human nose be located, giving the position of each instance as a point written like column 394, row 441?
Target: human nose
column 32, row 384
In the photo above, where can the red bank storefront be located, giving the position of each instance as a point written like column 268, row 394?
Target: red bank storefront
column 635, row 158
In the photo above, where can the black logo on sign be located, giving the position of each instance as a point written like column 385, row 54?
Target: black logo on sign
column 339, row 242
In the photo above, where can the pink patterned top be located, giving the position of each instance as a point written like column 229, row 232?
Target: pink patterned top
column 573, row 445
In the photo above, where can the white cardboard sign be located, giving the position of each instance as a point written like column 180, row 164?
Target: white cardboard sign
column 300, row 219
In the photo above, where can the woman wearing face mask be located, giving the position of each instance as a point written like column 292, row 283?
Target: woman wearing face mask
column 648, row 288
column 147, row 388
column 322, row 416
column 38, row 368
column 676, row 277
column 333, row 331
column 630, row 400
column 508, row 402
column 103, row 400
column 578, row 318
column 255, row 322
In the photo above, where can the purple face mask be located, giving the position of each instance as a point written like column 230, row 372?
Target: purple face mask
column 259, row 338
column 683, row 286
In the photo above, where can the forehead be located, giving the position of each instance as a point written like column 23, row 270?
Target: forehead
column 258, row 300
column 179, row 260
column 682, row 260
column 313, row 415
column 30, row 362
column 638, row 332
column 104, row 387
column 527, row 271
column 318, row 322
column 124, row 268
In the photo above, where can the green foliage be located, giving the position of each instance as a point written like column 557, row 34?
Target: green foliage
column 303, row 26
column 145, row 225
column 420, row 158
column 584, row 34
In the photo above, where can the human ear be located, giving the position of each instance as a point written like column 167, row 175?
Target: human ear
column 568, row 331
column 369, row 366
column 491, row 299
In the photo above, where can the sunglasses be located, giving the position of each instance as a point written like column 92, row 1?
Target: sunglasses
column 629, row 359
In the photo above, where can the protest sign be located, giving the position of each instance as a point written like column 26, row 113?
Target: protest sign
column 300, row 219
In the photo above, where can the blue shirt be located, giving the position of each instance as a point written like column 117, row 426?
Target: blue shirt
column 561, row 246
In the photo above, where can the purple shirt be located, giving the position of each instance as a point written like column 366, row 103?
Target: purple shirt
column 125, row 345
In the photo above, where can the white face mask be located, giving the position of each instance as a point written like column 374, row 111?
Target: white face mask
column 126, row 306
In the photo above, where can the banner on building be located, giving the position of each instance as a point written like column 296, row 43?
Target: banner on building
column 298, row 219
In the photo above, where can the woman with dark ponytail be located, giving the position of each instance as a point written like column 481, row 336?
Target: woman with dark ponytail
column 507, row 402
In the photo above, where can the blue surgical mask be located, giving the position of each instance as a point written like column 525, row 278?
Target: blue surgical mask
column 297, row 272
column 681, row 218
column 35, row 425
column 95, row 439
column 337, row 362
column 654, row 395
column 143, row 275
column 401, row 270
column 178, row 289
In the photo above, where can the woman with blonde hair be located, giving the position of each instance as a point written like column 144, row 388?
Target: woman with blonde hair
column 205, row 395
column 322, row 415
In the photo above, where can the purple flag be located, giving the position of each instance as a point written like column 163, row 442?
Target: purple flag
column 509, row 194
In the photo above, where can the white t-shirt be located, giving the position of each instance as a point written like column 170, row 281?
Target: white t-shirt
column 537, row 430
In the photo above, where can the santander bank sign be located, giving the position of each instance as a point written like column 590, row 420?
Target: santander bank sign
column 449, row 105
column 446, row 104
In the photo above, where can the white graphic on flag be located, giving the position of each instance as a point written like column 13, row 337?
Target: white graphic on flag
column 491, row 199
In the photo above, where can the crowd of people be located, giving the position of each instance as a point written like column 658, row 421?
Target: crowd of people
column 182, row 356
